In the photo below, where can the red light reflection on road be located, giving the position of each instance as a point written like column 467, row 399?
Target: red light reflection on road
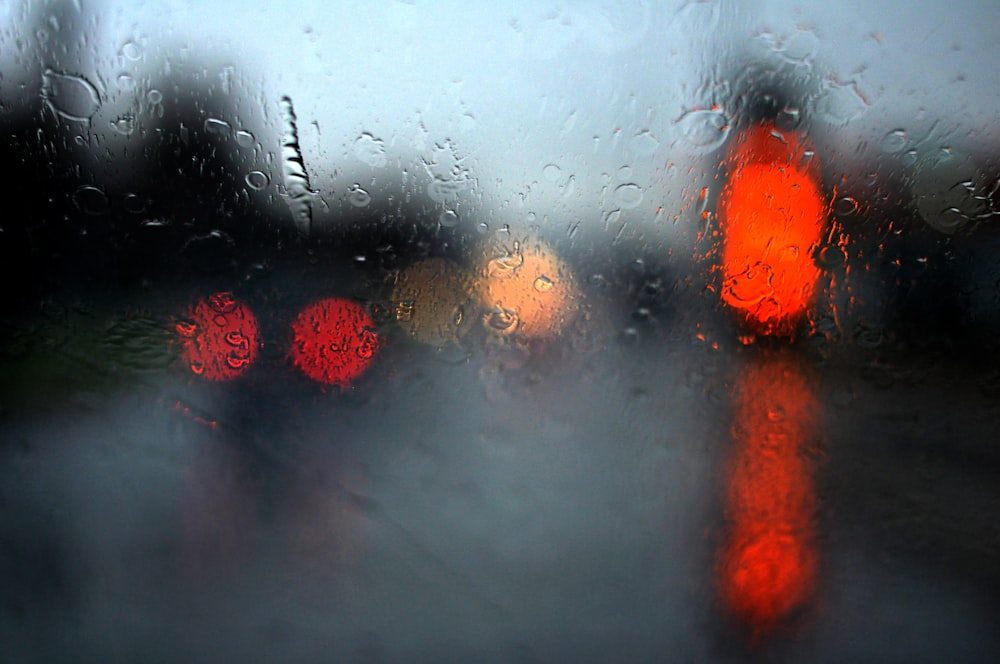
column 771, row 214
column 325, row 512
column 219, row 519
column 333, row 341
column 219, row 337
column 767, row 566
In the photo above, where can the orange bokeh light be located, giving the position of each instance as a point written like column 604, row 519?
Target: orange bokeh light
column 771, row 215
column 432, row 299
column 333, row 341
column 219, row 338
column 767, row 567
column 528, row 291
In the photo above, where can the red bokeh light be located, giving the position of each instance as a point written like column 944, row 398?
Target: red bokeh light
column 219, row 337
column 771, row 214
column 333, row 341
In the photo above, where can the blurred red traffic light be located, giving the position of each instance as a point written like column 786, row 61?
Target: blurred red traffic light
column 333, row 341
column 219, row 337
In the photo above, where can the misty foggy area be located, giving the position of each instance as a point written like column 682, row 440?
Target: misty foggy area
column 404, row 331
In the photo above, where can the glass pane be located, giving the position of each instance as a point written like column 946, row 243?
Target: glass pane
column 411, row 331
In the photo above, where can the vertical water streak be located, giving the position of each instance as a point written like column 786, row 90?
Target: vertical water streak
column 293, row 170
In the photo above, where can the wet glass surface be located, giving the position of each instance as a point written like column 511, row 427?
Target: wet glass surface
column 415, row 332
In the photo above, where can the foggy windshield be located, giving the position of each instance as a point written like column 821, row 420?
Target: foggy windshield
column 519, row 332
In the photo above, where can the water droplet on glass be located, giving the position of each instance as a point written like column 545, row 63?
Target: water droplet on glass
column 154, row 96
column 445, row 191
column 226, row 79
column 868, row 337
column 597, row 280
column 358, row 197
column 124, row 125
column 643, row 314
column 448, row 219
column 830, row 256
column 789, row 254
column 629, row 336
column 800, row 47
column 949, row 220
column 840, row 104
column 945, row 191
column 126, row 82
column 543, row 284
column 223, row 302
column 134, row 203
column 551, row 172
column 131, row 50
column 894, row 141
column 611, row 218
column 186, row 328
column 788, row 119
column 703, row 131
column 91, row 200
column 502, row 320
column 256, row 180
column 643, row 144
column 845, row 206
column 628, row 196
column 217, row 127
column 483, row 228
column 404, row 310
column 504, row 266
column 569, row 123
column 244, row 139
column 236, row 361
column 72, row 97
column 369, row 344
column 569, row 189
column 751, row 286
column 371, row 150
column 237, row 339
column 624, row 173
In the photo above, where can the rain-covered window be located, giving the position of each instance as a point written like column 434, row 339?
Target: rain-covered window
column 407, row 331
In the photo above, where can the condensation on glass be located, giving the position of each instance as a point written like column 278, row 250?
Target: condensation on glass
column 405, row 331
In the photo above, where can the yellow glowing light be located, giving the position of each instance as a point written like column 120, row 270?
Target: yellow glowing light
column 432, row 301
column 528, row 291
